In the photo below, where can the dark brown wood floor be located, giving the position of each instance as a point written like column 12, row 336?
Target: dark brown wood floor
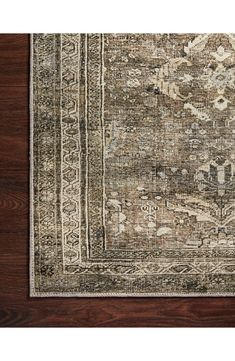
column 16, row 308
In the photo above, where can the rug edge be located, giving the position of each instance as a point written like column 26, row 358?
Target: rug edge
column 31, row 210
column 34, row 294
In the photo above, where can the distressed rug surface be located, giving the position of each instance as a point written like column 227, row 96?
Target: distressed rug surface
column 132, row 165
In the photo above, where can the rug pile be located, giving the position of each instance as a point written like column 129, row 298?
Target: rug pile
column 132, row 165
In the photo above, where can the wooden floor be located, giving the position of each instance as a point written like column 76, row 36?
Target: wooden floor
column 16, row 308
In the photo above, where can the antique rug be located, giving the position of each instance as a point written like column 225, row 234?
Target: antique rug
column 132, row 165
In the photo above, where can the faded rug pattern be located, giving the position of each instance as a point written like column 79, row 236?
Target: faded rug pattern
column 132, row 165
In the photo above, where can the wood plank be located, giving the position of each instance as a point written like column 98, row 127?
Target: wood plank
column 14, row 60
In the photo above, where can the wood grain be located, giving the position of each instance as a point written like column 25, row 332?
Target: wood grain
column 16, row 308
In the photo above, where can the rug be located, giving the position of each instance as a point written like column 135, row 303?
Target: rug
column 132, row 165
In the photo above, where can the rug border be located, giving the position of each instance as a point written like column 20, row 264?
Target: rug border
column 32, row 291
column 126, row 295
